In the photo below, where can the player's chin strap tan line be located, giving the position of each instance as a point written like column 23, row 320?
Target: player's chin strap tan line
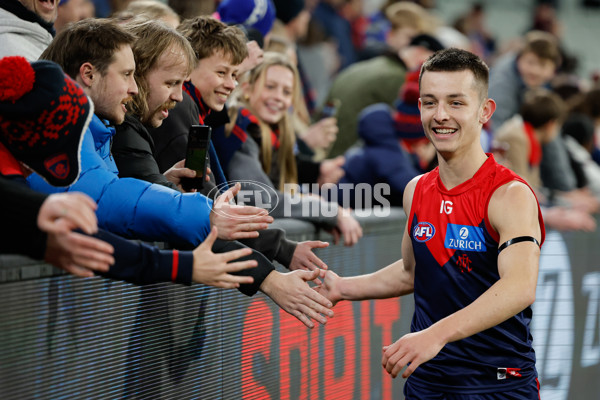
column 518, row 239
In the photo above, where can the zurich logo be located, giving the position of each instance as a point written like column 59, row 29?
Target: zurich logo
column 423, row 231
column 465, row 237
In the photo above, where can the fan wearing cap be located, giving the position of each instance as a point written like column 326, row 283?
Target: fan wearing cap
column 377, row 80
column 255, row 18
column 257, row 14
column 98, row 55
column 43, row 117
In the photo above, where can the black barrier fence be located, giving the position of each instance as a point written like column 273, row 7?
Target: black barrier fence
column 63, row 337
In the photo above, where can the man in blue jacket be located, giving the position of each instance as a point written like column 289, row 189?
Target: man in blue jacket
column 42, row 226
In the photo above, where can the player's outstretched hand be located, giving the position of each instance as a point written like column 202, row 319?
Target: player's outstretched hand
column 291, row 292
column 414, row 348
column 215, row 269
column 305, row 259
column 329, row 287
column 237, row 222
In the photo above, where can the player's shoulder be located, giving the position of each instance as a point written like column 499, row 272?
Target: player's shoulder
column 515, row 189
column 410, row 186
column 409, row 191
column 513, row 211
column 514, row 197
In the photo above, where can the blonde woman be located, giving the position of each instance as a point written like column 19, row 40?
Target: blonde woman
column 261, row 141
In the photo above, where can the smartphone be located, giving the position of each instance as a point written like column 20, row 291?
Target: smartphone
column 197, row 156
column 330, row 109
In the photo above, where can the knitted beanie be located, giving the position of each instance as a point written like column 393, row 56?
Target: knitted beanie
column 43, row 116
column 407, row 117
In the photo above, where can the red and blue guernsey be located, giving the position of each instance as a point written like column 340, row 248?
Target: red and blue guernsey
column 456, row 254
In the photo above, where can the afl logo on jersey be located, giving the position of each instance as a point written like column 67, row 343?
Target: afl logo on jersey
column 423, row 231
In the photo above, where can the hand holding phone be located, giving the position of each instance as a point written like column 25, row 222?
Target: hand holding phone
column 323, row 132
column 330, row 109
column 197, row 156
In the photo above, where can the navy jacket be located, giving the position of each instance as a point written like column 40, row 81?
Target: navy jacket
column 135, row 262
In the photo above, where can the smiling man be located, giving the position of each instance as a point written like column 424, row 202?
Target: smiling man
column 27, row 27
column 470, row 250
column 164, row 59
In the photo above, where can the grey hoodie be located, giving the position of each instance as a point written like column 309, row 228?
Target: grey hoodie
column 22, row 38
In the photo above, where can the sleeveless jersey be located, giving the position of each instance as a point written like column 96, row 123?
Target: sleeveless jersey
column 456, row 254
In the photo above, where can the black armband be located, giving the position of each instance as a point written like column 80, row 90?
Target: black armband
column 518, row 240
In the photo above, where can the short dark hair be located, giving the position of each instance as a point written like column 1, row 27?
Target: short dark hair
column 454, row 60
column 91, row 40
column 541, row 106
column 208, row 36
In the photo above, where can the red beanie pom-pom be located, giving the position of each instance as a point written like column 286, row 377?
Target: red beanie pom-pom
column 16, row 78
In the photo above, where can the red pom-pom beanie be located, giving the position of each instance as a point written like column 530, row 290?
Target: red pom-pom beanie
column 43, row 116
